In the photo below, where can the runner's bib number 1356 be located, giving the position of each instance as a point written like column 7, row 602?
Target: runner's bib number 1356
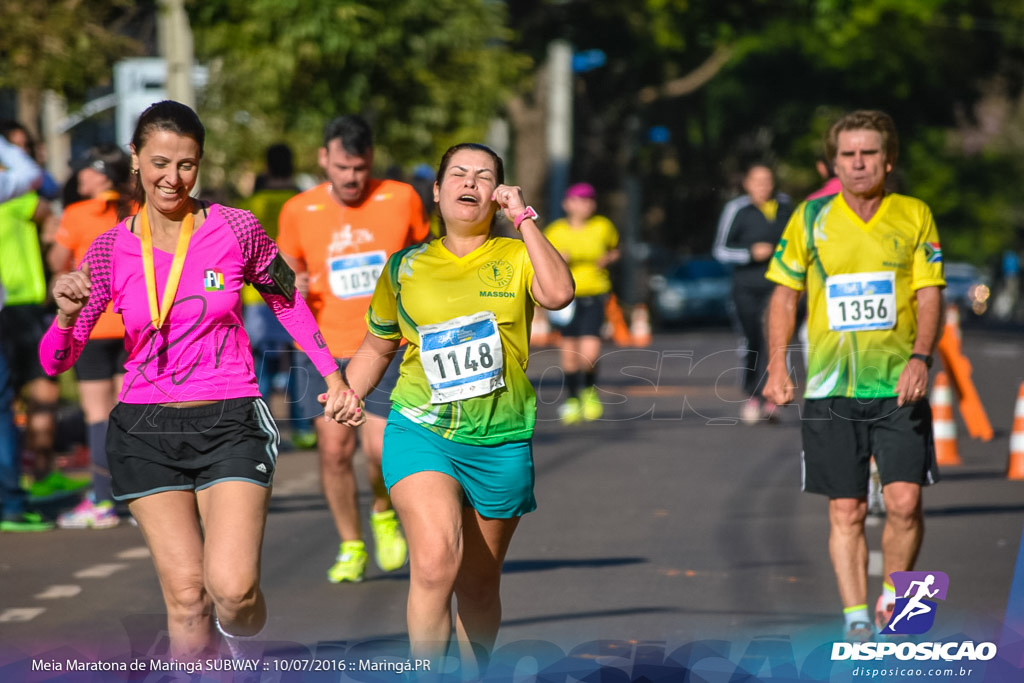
column 861, row 301
column 462, row 357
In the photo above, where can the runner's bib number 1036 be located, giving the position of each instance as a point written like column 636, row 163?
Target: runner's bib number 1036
column 861, row 301
column 355, row 274
column 462, row 357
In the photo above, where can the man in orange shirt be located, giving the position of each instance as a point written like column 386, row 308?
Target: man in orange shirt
column 337, row 237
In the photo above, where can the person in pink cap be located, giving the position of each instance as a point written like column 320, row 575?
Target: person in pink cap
column 589, row 244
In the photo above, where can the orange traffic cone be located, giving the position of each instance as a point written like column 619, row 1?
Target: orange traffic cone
column 943, row 426
column 640, row 328
column 620, row 333
column 1015, row 470
column 540, row 330
column 950, row 347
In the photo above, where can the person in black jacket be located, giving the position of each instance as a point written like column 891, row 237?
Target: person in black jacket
column 748, row 230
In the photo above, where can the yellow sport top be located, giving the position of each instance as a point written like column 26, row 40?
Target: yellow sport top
column 860, row 280
column 426, row 287
column 583, row 247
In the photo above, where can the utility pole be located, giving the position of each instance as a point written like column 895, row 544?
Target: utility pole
column 559, row 123
column 174, row 36
column 57, row 140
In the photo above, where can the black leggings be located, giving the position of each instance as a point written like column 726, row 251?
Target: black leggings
column 751, row 309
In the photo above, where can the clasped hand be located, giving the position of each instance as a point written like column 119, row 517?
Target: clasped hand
column 343, row 405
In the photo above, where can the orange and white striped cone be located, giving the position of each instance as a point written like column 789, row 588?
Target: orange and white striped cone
column 1015, row 469
column 540, row 330
column 943, row 426
column 640, row 326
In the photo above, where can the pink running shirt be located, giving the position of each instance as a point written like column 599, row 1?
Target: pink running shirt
column 202, row 351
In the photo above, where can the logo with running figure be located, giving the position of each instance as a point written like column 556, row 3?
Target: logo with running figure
column 914, row 613
column 497, row 274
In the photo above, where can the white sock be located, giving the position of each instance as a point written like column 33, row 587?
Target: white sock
column 854, row 614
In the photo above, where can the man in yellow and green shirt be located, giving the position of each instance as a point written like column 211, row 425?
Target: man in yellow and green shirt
column 870, row 263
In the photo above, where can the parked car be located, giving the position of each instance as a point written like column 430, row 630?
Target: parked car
column 967, row 287
column 695, row 290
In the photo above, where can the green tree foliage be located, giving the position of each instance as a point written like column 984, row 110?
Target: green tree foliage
column 61, row 45
column 426, row 73
column 792, row 68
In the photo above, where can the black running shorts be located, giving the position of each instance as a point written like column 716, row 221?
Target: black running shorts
column 841, row 434
column 588, row 319
column 101, row 359
column 153, row 448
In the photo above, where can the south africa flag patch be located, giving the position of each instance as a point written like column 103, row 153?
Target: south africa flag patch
column 213, row 281
column 933, row 252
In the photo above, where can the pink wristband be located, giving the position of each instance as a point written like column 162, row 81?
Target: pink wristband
column 528, row 212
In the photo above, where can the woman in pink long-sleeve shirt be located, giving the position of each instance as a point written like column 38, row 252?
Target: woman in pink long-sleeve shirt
column 191, row 445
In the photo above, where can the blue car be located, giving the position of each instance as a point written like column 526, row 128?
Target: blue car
column 695, row 290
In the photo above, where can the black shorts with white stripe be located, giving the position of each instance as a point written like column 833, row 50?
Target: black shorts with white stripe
column 153, row 448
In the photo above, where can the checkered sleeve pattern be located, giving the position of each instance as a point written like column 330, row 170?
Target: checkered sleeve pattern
column 58, row 350
column 100, row 258
column 258, row 249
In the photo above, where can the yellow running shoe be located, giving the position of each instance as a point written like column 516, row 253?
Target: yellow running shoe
column 350, row 563
column 571, row 411
column 389, row 547
column 592, row 408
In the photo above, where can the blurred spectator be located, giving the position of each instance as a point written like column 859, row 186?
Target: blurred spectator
column 271, row 344
column 832, row 185
column 23, row 320
column 748, row 230
column 105, row 184
column 20, row 172
column 422, row 181
column 19, row 136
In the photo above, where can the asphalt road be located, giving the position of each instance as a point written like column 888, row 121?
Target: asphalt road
column 668, row 537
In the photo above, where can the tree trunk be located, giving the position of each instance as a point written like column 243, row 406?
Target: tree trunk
column 527, row 115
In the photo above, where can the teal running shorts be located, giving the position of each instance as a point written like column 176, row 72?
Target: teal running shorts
column 497, row 481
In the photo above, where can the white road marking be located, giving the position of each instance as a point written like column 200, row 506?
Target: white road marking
column 1001, row 350
column 139, row 553
column 20, row 614
column 54, row 592
column 99, row 571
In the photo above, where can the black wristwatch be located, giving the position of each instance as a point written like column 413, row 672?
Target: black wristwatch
column 927, row 360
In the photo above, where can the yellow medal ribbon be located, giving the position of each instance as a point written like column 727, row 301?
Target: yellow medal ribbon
column 158, row 310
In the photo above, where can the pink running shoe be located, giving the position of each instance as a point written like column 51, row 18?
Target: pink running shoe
column 89, row 515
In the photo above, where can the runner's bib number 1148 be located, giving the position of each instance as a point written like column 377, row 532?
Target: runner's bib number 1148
column 462, row 357
column 861, row 301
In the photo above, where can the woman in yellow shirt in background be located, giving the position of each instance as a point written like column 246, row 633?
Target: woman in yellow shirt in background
column 589, row 244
